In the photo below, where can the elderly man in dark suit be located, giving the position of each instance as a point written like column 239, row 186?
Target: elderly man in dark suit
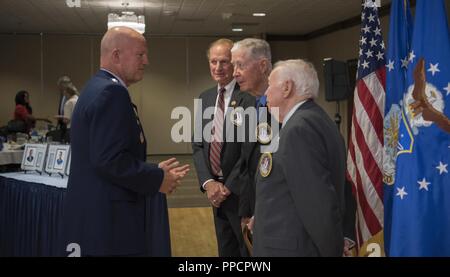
column 300, row 190
column 217, row 154
column 252, row 58
column 115, row 202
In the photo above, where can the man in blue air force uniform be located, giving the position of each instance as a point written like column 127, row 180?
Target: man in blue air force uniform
column 115, row 202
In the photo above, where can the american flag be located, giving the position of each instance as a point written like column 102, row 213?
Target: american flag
column 365, row 149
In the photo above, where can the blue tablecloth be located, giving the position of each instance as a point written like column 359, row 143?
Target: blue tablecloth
column 31, row 212
column 30, row 215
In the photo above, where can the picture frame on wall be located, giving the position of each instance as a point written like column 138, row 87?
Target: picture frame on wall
column 58, row 156
column 34, row 157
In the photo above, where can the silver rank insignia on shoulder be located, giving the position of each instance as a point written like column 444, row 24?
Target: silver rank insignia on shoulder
column 236, row 117
column 265, row 164
column 263, row 133
column 142, row 137
column 114, row 80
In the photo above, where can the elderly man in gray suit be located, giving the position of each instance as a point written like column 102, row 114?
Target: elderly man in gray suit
column 300, row 187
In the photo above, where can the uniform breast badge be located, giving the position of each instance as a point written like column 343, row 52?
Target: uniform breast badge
column 265, row 164
column 263, row 133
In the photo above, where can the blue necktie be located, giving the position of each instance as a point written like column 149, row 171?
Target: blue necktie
column 260, row 102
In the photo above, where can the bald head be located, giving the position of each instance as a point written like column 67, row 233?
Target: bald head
column 117, row 37
column 123, row 51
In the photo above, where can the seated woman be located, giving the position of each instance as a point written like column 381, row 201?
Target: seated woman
column 71, row 94
column 23, row 111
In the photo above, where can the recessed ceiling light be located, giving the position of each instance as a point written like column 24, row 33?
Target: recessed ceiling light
column 259, row 14
column 237, row 29
column 169, row 13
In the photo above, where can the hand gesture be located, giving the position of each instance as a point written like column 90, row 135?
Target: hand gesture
column 173, row 173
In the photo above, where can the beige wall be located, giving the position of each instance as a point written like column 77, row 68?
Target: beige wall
column 34, row 63
column 178, row 72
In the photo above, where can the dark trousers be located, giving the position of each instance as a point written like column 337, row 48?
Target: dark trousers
column 230, row 241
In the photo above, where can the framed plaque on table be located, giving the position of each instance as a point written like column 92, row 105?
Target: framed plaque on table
column 57, row 159
column 34, row 157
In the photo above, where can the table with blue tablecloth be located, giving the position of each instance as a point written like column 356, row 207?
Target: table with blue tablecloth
column 31, row 212
column 31, row 208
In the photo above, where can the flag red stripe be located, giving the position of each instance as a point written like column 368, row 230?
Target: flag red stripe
column 370, row 165
column 371, row 108
column 381, row 74
column 371, row 220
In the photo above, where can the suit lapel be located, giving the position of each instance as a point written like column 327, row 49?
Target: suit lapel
column 235, row 101
column 210, row 101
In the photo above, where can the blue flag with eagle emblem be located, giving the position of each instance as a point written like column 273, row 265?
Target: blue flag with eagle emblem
column 398, row 54
column 418, row 214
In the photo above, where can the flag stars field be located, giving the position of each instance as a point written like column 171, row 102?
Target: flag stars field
column 380, row 56
column 447, row 89
column 377, row 31
column 401, row 192
column 433, row 68
column 442, row 168
column 405, row 62
column 423, row 184
column 390, row 65
column 411, row 56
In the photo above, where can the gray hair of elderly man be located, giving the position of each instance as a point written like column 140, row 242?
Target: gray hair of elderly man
column 257, row 48
column 302, row 73
column 64, row 81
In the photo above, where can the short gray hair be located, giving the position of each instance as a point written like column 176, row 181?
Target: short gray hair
column 302, row 73
column 257, row 48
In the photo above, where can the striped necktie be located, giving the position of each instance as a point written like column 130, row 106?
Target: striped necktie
column 217, row 135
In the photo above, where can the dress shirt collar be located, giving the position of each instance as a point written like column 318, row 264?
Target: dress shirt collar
column 291, row 112
column 229, row 88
